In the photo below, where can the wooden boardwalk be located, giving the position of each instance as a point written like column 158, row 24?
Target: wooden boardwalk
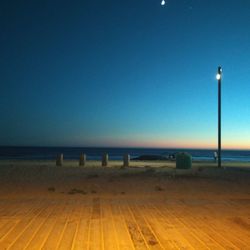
column 123, row 222
column 45, row 207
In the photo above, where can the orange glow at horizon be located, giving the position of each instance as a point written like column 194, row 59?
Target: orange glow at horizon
column 148, row 143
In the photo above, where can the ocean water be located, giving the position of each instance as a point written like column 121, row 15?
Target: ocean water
column 71, row 153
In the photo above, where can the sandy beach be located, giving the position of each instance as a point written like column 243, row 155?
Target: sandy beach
column 149, row 205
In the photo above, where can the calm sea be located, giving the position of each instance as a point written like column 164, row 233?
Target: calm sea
column 49, row 153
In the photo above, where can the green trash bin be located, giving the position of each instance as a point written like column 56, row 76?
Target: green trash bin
column 183, row 161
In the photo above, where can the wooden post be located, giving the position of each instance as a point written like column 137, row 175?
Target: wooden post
column 82, row 160
column 126, row 160
column 105, row 159
column 59, row 160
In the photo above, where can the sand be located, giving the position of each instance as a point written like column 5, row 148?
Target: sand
column 150, row 205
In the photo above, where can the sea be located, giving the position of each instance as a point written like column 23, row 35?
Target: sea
column 95, row 153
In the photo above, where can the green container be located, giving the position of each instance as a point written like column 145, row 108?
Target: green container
column 183, row 161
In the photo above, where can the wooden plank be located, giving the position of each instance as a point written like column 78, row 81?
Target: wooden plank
column 82, row 232
column 33, row 227
column 217, row 231
column 109, row 232
column 20, row 227
column 40, row 237
column 7, row 226
column 192, row 225
column 158, row 227
column 136, row 235
column 123, row 236
column 149, row 236
column 169, row 230
column 70, row 227
column 55, row 235
column 95, row 235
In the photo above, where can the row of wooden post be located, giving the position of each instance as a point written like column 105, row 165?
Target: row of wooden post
column 83, row 159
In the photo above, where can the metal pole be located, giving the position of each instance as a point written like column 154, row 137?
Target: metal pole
column 219, row 118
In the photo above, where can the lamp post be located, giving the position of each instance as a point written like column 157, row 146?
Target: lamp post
column 218, row 77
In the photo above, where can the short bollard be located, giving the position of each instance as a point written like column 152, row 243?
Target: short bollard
column 82, row 160
column 105, row 159
column 59, row 160
column 126, row 160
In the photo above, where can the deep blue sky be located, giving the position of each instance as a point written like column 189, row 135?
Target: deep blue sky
column 124, row 73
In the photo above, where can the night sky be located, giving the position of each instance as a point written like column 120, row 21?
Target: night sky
column 124, row 73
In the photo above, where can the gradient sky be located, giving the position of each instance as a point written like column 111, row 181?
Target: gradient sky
column 124, row 73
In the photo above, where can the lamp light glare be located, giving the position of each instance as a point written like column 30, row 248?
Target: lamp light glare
column 218, row 76
column 163, row 2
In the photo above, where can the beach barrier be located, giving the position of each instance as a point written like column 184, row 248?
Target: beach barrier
column 183, row 161
column 59, row 160
column 105, row 159
column 126, row 160
column 82, row 160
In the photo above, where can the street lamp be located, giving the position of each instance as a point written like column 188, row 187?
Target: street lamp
column 218, row 77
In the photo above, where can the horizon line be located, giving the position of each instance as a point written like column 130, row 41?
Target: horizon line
column 121, row 147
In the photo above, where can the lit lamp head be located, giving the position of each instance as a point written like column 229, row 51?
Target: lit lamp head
column 218, row 76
